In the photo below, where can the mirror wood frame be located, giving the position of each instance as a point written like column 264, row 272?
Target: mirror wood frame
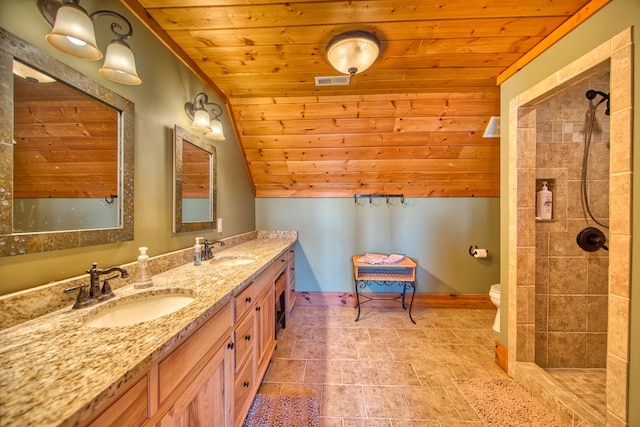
column 12, row 47
column 180, row 136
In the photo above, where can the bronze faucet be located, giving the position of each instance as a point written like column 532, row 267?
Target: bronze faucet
column 96, row 294
column 206, row 251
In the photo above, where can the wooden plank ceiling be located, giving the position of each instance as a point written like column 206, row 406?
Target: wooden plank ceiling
column 411, row 124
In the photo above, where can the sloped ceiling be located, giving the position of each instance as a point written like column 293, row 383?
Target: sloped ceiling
column 412, row 124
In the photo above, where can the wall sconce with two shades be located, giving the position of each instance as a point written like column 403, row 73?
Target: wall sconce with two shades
column 73, row 33
column 202, row 121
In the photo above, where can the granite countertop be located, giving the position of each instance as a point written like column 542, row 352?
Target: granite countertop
column 55, row 370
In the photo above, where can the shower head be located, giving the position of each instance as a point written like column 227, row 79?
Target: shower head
column 591, row 94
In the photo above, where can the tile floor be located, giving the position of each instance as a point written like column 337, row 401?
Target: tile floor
column 587, row 384
column 383, row 370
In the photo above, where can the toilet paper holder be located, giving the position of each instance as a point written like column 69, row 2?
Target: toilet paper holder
column 473, row 251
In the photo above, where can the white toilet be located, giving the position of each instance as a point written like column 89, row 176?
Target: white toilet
column 494, row 294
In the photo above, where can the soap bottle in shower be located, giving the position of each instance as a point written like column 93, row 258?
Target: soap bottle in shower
column 544, row 202
column 197, row 251
column 143, row 275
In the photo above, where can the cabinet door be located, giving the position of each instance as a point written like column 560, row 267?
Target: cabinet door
column 265, row 324
column 208, row 400
column 130, row 409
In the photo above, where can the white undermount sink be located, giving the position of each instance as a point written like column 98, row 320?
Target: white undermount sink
column 231, row 260
column 143, row 309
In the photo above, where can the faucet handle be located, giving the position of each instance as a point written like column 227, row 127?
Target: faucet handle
column 106, row 291
column 83, row 299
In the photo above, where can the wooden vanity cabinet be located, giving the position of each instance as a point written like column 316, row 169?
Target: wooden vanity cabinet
column 255, row 340
column 206, row 399
column 196, row 379
column 131, row 408
column 290, row 294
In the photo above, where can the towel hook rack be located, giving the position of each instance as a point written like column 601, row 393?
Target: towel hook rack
column 372, row 196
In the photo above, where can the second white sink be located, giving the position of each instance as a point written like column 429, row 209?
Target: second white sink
column 139, row 310
column 230, row 260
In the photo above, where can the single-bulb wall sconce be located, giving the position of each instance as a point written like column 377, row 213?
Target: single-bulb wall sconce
column 353, row 52
column 73, row 33
column 202, row 121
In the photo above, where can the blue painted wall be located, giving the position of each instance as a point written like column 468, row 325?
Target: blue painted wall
column 435, row 232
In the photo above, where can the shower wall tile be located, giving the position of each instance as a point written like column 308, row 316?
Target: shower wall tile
column 567, row 313
column 526, row 183
column 596, row 350
column 541, row 349
column 621, row 221
column 597, row 311
column 542, row 275
column 542, row 313
column 526, row 259
column 617, row 386
column 568, row 275
column 598, row 275
column 620, row 267
column 526, row 227
column 567, row 349
column 618, row 341
column 621, row 156
column 564, row 243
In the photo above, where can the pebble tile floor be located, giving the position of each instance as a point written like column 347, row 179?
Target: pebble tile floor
column 587, row 384
column 383, row 370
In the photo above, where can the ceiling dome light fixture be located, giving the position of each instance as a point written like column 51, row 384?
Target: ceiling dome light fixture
column 202, row 121
column 73, row 33
column 353, row 52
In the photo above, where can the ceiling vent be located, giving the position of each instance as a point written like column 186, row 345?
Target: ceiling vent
column 333, row 81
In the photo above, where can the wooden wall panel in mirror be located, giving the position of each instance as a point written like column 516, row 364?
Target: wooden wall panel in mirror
column 67, row 155
column 194, row 191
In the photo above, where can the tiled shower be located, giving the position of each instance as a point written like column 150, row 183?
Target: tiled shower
column 571, row 284
column 569, row 311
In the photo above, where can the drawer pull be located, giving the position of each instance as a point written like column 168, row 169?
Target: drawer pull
column 230, row 346
column 258, row 308
column 245, row 384
column 247, row 337
column 247, row 299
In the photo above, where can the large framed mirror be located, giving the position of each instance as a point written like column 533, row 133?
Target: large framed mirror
column 66, row 155
column 194, row 178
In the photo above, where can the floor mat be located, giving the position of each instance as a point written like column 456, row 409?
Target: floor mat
column 503, row 402
column 282, row 411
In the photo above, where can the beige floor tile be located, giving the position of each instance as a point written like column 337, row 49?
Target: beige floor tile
column 323, row 372
column 397, row 373
column 360, row 372
column 386, row 402
column 431, row 403
column 342, row 401
column 383, row 370
column 308, row 350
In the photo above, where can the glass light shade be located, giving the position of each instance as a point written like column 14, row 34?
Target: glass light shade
column 353, row 52
column 119, row 64
column 216, row 133
column 73, row 33
column 201, row 121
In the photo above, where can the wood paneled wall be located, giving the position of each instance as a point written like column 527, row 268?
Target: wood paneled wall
column 427, row 144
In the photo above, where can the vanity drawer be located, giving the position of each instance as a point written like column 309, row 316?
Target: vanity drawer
column 244, row 341
column 245, row 300
column 177, row 365
column 243, row 389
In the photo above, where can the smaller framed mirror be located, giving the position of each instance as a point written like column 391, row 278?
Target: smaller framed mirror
column 194, row 182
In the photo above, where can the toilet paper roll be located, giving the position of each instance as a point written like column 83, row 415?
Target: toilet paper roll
column 480, row 253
